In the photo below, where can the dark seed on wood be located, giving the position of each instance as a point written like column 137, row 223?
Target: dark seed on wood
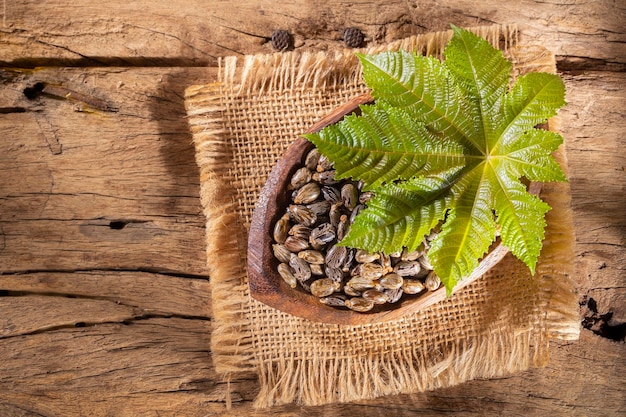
column 282, row 40
column 353, row 37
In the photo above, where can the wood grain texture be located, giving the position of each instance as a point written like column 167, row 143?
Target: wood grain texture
column 582, row 35
column 104, row 292
column 164, row 33
column 118, row 177
column 160, row 33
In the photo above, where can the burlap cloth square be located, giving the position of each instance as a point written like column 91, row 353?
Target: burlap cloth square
column 498, row 325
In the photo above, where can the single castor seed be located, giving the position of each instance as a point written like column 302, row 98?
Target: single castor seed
column 432, row 281
column 375, row 296
column 349, row 196
column 281, row 252
column 307, row 194
column 312, row 256
column 336, row 256
column 335, row 300
column 353, row 37
column 407, row 268
column 363, row 257
column 300, row 231
column 301, row 269
column 359, row 304
column 322, row 234
column 281, row 229
column 319, row 208
column 391, row 281
column 287, row 275
column 282, row 40
column 296, row 244
column 323, row 287
column 301, row 214
column 412, row 286
column 393, row 296
column 317, row 270
column 299, row 178
column 324, row 164
column 331, row 194
column 312, row 158
column 335, row 274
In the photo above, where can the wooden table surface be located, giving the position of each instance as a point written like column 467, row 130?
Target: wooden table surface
column 104, row 291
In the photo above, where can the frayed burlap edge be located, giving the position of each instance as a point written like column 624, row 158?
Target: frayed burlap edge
column 323, row 380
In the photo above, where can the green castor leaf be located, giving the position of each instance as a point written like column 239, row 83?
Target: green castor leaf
column 449, row 142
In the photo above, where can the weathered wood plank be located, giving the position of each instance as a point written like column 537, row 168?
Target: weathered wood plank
column 131, row 369
column 152, row 294
column 593, row 123
column 162, row 367
column 582, row 34
column 54, row 312
column 164, row 34
column 134, row 170
column 127, row 177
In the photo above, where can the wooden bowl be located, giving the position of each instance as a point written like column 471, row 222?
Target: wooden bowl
column 267, row 286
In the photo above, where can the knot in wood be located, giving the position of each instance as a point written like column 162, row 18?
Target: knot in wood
column 282, row 40
column 353, row 37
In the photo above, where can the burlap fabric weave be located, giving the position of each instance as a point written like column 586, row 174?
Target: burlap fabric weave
column 500, row 324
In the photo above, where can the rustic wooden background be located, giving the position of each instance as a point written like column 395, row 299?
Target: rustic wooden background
column 104, row 292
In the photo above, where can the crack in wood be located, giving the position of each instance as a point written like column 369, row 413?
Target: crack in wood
column 156, row 271
column 11, row 110
column 49, row 134
column 127, row 322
